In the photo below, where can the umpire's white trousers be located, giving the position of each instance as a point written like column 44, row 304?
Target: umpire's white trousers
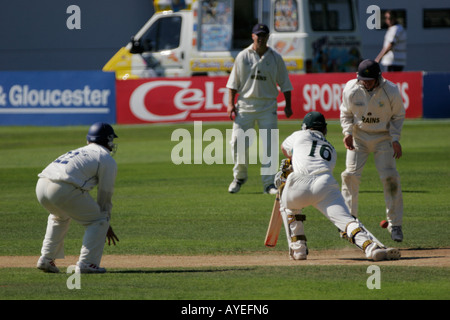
column 380, row 145
column 241, row 141
column 65, row 202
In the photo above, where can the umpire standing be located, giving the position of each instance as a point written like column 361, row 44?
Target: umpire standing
column 372, row 115
column 257, row 71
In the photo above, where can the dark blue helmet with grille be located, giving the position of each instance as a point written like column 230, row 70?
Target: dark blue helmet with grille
column 103, row 134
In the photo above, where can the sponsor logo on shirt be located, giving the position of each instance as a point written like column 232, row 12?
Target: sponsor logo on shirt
column 370, row 119
column 258, row 77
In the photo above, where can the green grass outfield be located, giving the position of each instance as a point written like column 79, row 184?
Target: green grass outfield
column 165, row 209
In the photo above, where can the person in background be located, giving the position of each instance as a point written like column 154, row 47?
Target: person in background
column 393, row 53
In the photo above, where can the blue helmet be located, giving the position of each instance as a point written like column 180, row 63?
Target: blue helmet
column 103, row 134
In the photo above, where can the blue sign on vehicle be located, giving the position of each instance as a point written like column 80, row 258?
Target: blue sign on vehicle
column 57, row 97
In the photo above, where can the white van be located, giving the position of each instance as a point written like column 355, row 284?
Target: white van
column 202, row 37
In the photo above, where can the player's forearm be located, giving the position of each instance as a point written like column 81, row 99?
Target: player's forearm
column 346, row 119
column 396, row 123
column 285, row 152
column 107, row 173
column 287, row 98
column 231, row 96
column 383, row 52
column 104, row 200
column 395, row 128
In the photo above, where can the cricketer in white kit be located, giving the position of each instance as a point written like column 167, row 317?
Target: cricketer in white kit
column 311, row 183
column 63, row 190
column 372, row 115
column 257, row 71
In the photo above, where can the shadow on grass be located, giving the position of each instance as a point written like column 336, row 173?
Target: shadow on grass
column 401, row 258
column 403, row 191
column 156, row 271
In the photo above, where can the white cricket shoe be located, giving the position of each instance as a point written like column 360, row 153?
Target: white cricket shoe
column 47, row 265
column 88, row 268
column 270, row 189
column 299, row 250
column 235, row 185
column 381, row 254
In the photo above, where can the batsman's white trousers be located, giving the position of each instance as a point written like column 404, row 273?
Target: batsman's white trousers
column 380, row 145
column 244, row 121
column 322, row 192
column 65, row 202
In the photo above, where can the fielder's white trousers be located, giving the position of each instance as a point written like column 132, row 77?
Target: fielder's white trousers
column 322, row 192
column 65, row 202
column 380, row 145
column 241, row 142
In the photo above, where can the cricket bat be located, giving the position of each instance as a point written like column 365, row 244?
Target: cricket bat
column 275, row 223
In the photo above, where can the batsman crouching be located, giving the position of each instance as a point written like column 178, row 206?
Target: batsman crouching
column 63, row 190
column 311, row 183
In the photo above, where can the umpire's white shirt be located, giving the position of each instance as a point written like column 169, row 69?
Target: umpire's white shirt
column 255, row 78
column 85, row 168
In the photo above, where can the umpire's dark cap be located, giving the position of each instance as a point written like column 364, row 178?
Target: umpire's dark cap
column 260, row 28
column 369, row 70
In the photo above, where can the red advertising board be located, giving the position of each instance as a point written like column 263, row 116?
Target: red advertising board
column 159, row 100
column 410, row 85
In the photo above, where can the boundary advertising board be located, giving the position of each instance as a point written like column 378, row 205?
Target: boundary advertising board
column 170, row 100
column 56, row 98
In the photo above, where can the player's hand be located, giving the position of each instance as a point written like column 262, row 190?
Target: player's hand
column 397, row 149
column 231, row 110
column 286, row 165
column 279, row 179
column 288, row 112
column 348, row 142
column 111, row 236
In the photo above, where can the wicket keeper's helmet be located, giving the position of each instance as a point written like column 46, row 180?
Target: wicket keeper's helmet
column 368, row 70
column 315, row 120
column 103, row 134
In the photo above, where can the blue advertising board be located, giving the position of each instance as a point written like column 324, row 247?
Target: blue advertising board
column 436, row 95
column 55, row 98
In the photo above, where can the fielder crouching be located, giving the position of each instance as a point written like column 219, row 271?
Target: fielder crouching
column 311, row 182
column 63, row 190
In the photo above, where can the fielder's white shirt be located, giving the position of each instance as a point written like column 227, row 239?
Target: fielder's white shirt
column 85, row 168
column 311, row 153
column 381, row 111
column 396, row 35
column 256, row 78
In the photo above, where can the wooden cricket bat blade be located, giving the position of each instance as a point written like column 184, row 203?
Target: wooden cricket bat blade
column 273, row 231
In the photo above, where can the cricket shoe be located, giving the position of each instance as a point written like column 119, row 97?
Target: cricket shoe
column 88, row 268
column 47, row 265
column 270, row 189
column 299, row 250
column 381, row 254
column 235, row 185
column 396, row 233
